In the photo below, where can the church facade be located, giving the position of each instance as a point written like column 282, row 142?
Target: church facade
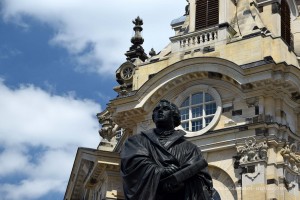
column 233, row 69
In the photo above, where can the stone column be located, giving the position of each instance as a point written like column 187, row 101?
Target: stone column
column 270, row 107
column 278, row 109
column 192, row 15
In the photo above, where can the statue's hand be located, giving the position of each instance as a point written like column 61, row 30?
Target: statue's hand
column 167, row 171
column 172, row 187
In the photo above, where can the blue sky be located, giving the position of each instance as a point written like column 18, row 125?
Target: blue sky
column 57, row 65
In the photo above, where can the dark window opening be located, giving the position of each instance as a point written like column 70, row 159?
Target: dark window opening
column 285, row 22
column 251, row 169
column 237, row 112
column 256, row 110
column 207, row 13
column 272, row 181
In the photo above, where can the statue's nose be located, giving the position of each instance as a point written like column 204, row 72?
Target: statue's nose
column 160, row 111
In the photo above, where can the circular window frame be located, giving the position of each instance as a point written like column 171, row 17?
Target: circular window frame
column 217, row 98
column 123, row 73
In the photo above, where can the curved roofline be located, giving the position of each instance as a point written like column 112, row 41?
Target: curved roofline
column 192, row 65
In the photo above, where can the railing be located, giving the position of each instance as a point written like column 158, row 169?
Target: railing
column 197, row 38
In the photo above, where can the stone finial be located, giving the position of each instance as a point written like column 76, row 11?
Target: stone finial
column 137, row 39
column 152, row 52
column 136, row 50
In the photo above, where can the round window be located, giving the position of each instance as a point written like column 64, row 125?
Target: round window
column 200, row 109
column 197, row 111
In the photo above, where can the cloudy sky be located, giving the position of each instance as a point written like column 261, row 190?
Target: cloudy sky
column 57, row 64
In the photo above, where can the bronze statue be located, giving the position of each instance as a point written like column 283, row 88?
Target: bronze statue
column 159, row 164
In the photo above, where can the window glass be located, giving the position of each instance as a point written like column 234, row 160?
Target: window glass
column 196, row 125
column 197, row 98
column 186, row 102
column 208, row 97
column 208, row 120
column 184, row 114
column 185, row 125
column 199, row 112
column 210, row 108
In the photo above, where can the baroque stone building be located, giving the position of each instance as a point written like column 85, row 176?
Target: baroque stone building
column 232, row 67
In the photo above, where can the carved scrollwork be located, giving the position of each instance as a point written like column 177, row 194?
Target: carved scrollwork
column 291, row 157
column 252, row 176
column 252, row 151
column 109, row 128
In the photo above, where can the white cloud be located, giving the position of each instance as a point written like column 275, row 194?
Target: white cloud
column 39, row 135
column 97, row 33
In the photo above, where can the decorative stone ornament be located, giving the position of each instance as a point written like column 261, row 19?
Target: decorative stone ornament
column 109, row 128
column 152, row 52
column 124, row 76
column 290, row 157
column 136, row 50
column 252, row 176
column 252, row 151
column 125, row 73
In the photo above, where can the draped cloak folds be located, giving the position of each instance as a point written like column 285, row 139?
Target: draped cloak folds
column 142, row 159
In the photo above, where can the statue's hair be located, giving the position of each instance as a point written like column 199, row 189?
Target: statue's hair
column 174, row 109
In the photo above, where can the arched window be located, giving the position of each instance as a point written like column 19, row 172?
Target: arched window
column 285, row 22
column 207, row 13
column 215, row 195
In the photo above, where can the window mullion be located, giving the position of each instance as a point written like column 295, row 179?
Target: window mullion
column 204, row 113
column 206, row 21
column 190, row 113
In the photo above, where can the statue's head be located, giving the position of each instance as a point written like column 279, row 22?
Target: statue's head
column 166, row 114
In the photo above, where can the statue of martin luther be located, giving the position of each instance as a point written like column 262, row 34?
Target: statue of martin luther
column 160, row 164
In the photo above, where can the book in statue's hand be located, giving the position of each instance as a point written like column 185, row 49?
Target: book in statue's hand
column 185, row 173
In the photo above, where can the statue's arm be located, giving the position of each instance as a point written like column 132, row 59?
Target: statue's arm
column 140, row 173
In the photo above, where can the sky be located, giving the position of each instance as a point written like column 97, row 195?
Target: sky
column 57, row 69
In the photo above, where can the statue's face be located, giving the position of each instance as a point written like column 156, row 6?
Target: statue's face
column 163, row 115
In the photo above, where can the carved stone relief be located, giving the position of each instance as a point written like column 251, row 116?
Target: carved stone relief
column 291, row 157
column 252, row 176
column 252, row 151
column 109, row 128
column 251, row 102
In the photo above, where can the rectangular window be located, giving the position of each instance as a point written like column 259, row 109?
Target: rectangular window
column 251, row 169
column 207, row 13
column 237, row 112
column 256, row 110
column 285, row 22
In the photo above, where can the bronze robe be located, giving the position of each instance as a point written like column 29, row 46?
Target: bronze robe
column 143, row 158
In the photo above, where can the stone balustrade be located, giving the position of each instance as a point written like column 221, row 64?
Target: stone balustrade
column 198, row 38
